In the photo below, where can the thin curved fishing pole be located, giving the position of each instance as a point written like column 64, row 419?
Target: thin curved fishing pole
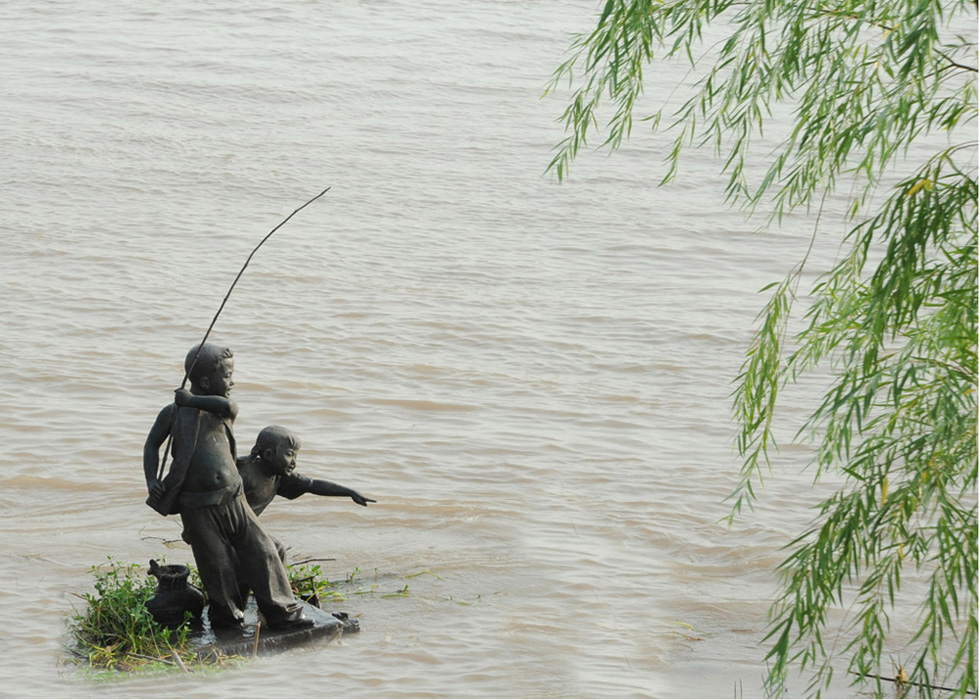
column 187, row 371
column 238, row 277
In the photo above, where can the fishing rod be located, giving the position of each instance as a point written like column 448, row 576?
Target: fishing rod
column 190, row 366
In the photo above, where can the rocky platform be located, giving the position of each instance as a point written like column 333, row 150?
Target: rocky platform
column 255, row 639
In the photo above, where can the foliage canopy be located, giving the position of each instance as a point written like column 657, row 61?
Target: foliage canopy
column 872, row 86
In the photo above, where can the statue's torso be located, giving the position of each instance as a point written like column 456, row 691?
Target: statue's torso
column 211, row 468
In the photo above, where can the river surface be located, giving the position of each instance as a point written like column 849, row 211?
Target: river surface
column 532, row 378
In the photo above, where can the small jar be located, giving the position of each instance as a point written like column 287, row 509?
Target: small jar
column 174, row 596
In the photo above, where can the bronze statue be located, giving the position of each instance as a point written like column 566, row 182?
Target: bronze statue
column 269, row 472
column 204, row 487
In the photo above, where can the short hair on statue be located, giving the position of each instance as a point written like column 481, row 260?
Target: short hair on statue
column 204, row 359
column 270, row 437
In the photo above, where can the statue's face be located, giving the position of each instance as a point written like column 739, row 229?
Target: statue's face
column 283, row 459
column 219, row 382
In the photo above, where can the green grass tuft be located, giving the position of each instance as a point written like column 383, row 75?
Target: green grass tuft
column 115, row 631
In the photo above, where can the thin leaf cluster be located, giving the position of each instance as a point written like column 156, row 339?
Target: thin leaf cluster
column 864, row 79
column 900, row 421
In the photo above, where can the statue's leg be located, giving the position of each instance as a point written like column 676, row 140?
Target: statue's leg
column 280, row 548
column 243, row 588
column 205, row 529
column 264, row 570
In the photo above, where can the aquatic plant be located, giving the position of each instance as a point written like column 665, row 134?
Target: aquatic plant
column 115, row 631
column 310, row 584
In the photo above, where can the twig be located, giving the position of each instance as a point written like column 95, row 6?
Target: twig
column 177, row 660
column 901, row 681
column 149, row 658
column 166, row 542
column 310, row 561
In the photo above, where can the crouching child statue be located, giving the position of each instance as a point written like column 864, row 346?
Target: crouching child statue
column 269, row 472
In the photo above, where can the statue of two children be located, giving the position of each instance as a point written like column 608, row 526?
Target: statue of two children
column 220, row 497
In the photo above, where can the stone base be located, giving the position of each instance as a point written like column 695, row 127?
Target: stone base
column 326, row 627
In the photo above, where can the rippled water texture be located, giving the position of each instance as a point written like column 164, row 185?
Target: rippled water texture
column 531, row 378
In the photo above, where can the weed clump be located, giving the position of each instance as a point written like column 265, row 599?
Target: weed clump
column 116, row 632
column 310, row 584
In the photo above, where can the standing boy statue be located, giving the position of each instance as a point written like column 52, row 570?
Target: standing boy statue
column 268, row 472
column 204, row 487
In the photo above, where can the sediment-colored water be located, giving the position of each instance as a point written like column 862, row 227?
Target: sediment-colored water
column 531, row 378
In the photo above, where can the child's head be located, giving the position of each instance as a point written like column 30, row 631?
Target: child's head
column 210, row 372
column 277, row 447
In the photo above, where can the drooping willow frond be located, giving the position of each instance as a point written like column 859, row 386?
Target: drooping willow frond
column 894, row 322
